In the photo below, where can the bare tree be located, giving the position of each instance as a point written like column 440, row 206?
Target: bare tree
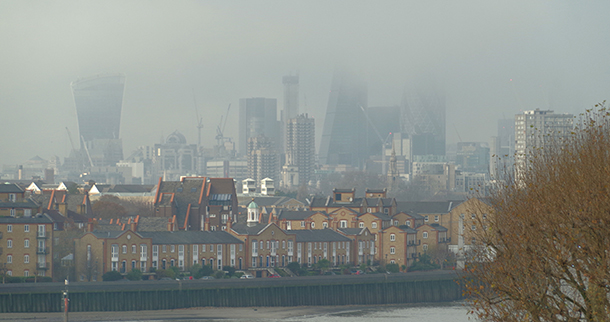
column 544, row 255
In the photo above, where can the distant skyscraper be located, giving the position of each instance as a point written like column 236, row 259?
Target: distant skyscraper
column 423, row 118
column 502, row 149
column 99, row 101
column 257, row 116
column 300, row 151
column 344, row 135
column 291, row 97
column 539, row 129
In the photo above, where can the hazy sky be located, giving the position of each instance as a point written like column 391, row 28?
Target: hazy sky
column 555, row 52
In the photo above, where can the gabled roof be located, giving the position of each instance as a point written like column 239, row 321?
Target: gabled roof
column 26, row 220
column 318, row 235
column 244, row 229
column 381, row 215
column 125, row 188
column 426, row 207
column 438, row 227
column 107, row 234
column 10, row 188
column 385, row 202
column 413, row 215
column 27, row 203
column 296, row 214
column 352, row 231
column 191, row 237
column 329, row 202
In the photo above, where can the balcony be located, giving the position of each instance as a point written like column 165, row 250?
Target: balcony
column 41, row 235
column 413, row 243
column 43, row 266
column 444, row 240
column 42, row 250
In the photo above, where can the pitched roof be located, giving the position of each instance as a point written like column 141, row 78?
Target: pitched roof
column 106, row 233
column 296, row 214
column 244, row 229
column 381, row 215
column 126, row 188
column 351, row 231
column 426, row 207
column 386, row 202
column 26, row 220
column 318, row 235
column 329, row 202
column 10, row 188
column 191, row 237
column 147, row 224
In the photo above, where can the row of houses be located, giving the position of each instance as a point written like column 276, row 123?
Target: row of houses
column 202, row 220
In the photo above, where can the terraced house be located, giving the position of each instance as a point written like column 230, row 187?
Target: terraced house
column 26, row 246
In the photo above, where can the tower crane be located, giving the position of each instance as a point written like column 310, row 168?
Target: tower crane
column 220, row 129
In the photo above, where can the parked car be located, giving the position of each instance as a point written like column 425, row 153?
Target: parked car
column 246, row 276
column 357, row 272
column 274, row 276
column 207, row 278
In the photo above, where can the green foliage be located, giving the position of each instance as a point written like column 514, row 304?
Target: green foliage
column 294, row 267
column 134, row 275
column 165, row 273
column 219, row 274
column 323, row 264
column 112, row 276
column 176, row 270
column 423, row 264
column 229, row 269
column 392, row 268
column 206, row 270
column 196, row 271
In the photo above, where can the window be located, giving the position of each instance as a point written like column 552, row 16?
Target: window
column 241, row 247
column 9, row 273
column 473, row 227
column 26, row 273
column 26, row 243
column 392, row 237
column 436, row 218
column 9, row 259
column 473, row 240
column 261, row 245
column 13, row 213
column 386, row 210
column 484, row 216
column 27, row 212
column 302, row 224
column 26, row 228
column 9, row 228
column 12, row 197
column 268, row 245
column 9, row 243
column 325, row 225
column 164, row 248
column 425, row 234
column 26, row 259
column 425, row 247
column 374, row 225
column 473, row 216
column 408, row 223
column 343, row 224
column 133, row 249
column 124, row 249
column 283, row 244
column 313, row 225
column 392, row 250
column 426, row 218
column 361, row 225
column 172, row 249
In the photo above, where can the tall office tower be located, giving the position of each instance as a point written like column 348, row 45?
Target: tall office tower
column 262, row 159
column 98, row 101
column 539, row 129
column 383, row 120
column 300, row 151
column 423, row 118
column 291, row 97
column 257, row 116
column 472, row 157
column 502, row 150
column 291, row 106
column 343, row 136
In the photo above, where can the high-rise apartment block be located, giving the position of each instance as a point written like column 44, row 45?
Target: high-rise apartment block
column 262, row 159
column 300, row 151
column 539, row 129
column 343, row 139
column 258, row 116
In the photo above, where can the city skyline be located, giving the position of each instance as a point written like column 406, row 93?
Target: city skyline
column 492, row 59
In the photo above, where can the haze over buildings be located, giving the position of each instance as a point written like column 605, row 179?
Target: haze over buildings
column 490, row 59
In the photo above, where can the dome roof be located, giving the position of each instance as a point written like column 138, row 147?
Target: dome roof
column 252, row 205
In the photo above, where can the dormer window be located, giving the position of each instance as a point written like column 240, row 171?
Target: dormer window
column 12, row 197
column 337, row 197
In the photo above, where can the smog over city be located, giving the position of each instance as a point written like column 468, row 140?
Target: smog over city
column 490, row 60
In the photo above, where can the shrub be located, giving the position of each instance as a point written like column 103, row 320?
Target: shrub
column 392, row 268
column 134, row 275
column 112, row 276
column 206, row 271
column 165, row 273
column 229, row 269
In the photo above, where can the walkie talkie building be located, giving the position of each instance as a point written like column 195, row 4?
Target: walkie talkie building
column 98, row 101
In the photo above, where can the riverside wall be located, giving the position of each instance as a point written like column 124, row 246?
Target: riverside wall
column 390, row 292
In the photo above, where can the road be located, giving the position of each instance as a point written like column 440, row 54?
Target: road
column 126, row 285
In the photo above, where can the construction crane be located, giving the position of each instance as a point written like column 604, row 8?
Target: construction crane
column 220, row 129
column 199, row 120
column 70, row 137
